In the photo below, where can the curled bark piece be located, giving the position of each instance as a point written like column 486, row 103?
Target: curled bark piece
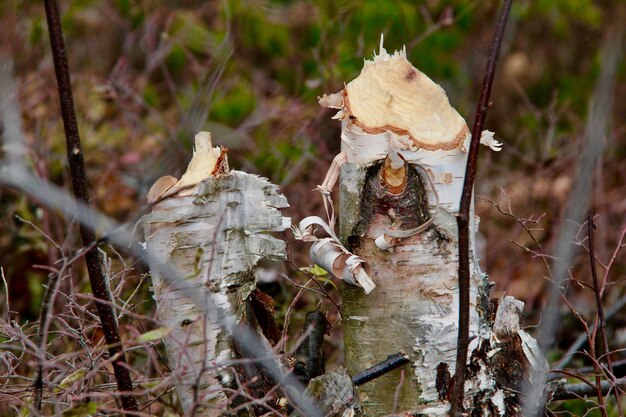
column 329, row 183
column 331, row 255
column 487, row 138
column 160, row 188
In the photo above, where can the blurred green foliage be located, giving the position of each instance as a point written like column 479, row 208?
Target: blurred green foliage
column 148, row 74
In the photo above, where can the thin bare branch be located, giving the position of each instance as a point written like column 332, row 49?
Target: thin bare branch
column 582, row 390
column 79, row 182
column 600, row 322
column 463, row 219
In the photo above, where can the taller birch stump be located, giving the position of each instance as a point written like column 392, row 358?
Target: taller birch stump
column 400, row 189
column 204, row 237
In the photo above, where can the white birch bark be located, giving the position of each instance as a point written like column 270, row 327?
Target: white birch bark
column 213, row 229
column 401, row 220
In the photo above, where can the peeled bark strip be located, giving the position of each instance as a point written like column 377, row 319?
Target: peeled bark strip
column 400, row 189
column 213, row 229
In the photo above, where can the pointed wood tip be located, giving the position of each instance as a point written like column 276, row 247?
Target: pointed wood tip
column 207, row 161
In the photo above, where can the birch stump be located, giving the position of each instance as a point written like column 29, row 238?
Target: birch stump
column 400, row 188
column 211, row 227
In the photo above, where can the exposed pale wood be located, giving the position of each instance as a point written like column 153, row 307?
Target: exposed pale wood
column 391, row 95
column 394, row 178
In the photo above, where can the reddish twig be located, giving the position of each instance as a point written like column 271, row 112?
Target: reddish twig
column 508, row 211
column 282, row 344
column 463, row 218
column 600, row 322
column 79, row 184
column 396, row 394
column 608, row 267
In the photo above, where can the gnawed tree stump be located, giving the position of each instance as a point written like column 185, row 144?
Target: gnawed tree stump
column 404, row 149
column 213, row 227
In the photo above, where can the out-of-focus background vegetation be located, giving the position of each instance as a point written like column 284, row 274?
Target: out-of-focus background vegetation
column 147, row 75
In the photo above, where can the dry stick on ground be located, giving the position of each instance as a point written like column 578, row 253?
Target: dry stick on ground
column 79, row 183
column 582, row 390
column 463, row 219
column 619, row 369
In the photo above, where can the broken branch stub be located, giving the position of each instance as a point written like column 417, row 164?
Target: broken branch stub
column 404, row 148
column 213, row 227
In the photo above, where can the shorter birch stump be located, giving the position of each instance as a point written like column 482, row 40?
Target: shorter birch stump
column 204, row 236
